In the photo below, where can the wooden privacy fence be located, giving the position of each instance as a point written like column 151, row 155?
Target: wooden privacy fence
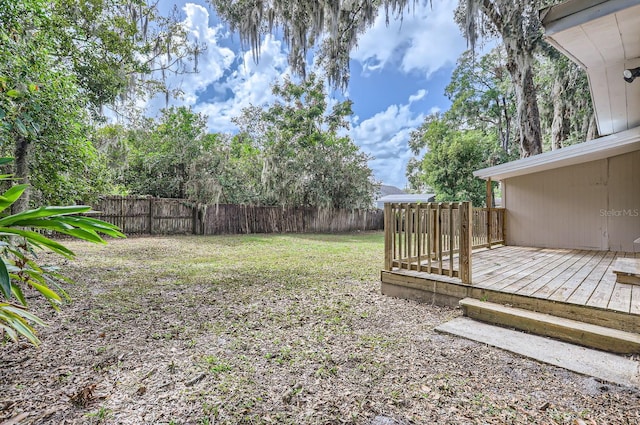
column 439, row 237
column 147, row 215
column 236, row 219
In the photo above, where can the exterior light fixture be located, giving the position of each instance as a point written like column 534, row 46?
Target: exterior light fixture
column 631, row 74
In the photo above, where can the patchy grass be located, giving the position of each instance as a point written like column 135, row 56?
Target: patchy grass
column 267, row 329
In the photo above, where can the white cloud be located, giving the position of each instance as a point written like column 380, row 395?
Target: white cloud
column 249, row 84
column 227, row 81
column 425, row 40
column 212, row 63
column 418, row 96
column 385, row 136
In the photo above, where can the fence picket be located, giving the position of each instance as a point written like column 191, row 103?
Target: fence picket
column 148, row 215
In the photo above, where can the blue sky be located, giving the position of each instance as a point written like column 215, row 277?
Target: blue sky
column 398, row 75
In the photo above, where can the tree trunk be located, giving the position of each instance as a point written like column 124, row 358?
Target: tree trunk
column 558, row 125
column 23, row 146
column 592, row 131
column 507, row 16
column 506, row 135
column 519, row 66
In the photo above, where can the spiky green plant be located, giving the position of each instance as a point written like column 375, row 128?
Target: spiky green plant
column 19, row 268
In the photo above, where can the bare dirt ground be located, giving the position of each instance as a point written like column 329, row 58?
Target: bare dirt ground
column 271, row 329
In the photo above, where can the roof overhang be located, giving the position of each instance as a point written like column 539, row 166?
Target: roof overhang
column 593, row 150
column 406, row 197
column 602, row 36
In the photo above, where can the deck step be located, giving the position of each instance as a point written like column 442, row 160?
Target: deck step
column 627, row 270
column 588, row 335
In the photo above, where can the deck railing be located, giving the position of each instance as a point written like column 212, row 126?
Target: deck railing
column 429, row 237
column 488, row 226
column 439, row 237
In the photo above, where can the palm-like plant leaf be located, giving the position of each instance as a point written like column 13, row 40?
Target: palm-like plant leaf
column 5, row 280
column 18, row 260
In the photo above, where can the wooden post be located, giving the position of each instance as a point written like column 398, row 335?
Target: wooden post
column 122, row 220
column 388, row 255
column 438, row 235
column 489, row 205
column 410, row 235
column 151, row 216
column 451, row 239
column 419, row 236
column 504, row 226
column 429, row 236
column 194, row 219
column 465, row 242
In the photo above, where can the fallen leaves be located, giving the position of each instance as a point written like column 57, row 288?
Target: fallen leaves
column 84, row 396
column 16, row 419
column 289, row 341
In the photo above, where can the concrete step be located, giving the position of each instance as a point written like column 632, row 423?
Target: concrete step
column 585, row 334
column 607, row 367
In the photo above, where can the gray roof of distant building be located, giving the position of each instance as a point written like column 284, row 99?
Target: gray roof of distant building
column 386, row 189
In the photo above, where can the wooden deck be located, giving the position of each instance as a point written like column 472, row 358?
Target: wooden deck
column 577, row 284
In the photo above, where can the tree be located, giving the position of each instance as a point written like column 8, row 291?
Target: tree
column 482, row 96
column 174, row 157
column 451, row 157
column 335, row 24
column 46, row 129
column 305, row 159
column 227, row 171
column 62, row 58
column 518, row 25
column 111, row 141
column 162, row 151
column 339, row 23
column 119, row 50
column 567, row 115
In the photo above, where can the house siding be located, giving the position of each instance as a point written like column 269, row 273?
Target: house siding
column 594, row 205
column 623, row 221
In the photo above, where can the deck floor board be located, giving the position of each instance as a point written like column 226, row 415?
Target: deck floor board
column 581, row 277
column 502, row 266
column 635, row 300
column 572, row 277
column 525, row 270
column 485, row 261
column 565, row 268
column 604, row 286
column 581, row 286
column 620, row 297
column 567, row 289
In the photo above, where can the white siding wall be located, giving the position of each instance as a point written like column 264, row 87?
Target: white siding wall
column 595, row 205
column 624, row 202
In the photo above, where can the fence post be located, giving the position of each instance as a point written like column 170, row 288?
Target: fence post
column 388, row 246
column 438, row 235
column 151, row 216
column 451, row 239
column 489, row 205
column 194, row 219
column 429, row 236
column 419, row 247
column 465, row 241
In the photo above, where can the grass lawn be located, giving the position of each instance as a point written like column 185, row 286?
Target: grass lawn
column 267, row 329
